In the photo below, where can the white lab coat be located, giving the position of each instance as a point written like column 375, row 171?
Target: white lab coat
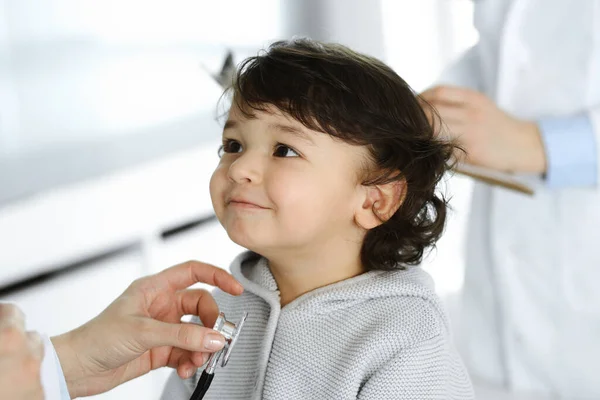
column 531, row 316
column 51, row 374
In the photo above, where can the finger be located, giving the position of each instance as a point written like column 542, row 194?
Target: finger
column 186, row 274
column 186, row 370
column 36, row 345
column 189, row 365
column 199, row 359
column 181, row 360
column 452, row 114
column 198, row 302
column 451, row 95
column 176, row 356
column 12, row 330
column 427, row 97
column 179, row 357
column 190, row 337
column 11, row 315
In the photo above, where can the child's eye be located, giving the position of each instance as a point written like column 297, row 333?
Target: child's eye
column 230, row 146
column 281, row 150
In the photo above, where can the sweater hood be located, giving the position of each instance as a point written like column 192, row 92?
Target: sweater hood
column 254, row 274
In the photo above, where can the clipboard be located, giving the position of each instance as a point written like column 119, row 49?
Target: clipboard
column 493, row 177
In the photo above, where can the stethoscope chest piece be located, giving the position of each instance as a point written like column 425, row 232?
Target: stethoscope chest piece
column 231, row 332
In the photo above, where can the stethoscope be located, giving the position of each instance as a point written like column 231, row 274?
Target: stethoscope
column 231, row 333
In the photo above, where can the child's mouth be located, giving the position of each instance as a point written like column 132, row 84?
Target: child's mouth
column 245, row 205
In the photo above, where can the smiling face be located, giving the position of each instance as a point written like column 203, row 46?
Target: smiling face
column 283, row 187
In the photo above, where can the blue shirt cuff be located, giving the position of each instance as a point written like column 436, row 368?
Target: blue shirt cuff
column 571, row 154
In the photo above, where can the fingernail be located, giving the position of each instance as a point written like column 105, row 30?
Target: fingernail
column 214, row 342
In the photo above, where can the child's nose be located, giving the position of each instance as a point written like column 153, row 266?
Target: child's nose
column 247, row 168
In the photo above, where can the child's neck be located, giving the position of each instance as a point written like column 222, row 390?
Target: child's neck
column 300, row 273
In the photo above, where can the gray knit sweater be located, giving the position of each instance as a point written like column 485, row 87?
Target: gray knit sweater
column 380, row 335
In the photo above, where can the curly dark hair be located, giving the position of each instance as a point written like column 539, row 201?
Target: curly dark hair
column 332, row 89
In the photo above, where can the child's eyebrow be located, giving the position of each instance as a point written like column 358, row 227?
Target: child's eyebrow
column 292, row 130
column 233, row 124
column 230, row 124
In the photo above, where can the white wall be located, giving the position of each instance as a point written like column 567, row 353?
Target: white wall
column 86, row 69
column 354, row 23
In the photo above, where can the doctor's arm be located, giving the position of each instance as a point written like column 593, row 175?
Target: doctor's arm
column 563, row 149
column 430, row 370
column 138, row 332
column 142, row 330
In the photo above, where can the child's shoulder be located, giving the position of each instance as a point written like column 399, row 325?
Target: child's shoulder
column 405, row 302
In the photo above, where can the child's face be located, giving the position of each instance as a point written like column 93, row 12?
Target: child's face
column 282, row 187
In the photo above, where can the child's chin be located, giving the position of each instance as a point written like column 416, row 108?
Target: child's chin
column 245, row 241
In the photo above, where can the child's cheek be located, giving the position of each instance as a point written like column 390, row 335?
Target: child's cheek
column 217, row 188
column 297, row 201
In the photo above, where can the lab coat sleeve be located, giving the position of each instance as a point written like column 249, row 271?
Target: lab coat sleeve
column 571, row 151
column 463, row 72
column 431, row 370
column 53, row 379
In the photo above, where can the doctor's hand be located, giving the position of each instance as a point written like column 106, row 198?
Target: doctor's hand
column 490, row 137
column 21, row 356
column 142, row 330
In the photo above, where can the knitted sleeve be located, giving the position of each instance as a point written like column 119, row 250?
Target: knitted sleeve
column 430, row 370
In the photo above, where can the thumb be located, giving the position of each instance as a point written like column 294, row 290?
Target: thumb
column 187, row 336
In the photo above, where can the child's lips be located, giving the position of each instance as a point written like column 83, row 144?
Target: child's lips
column 243, row 203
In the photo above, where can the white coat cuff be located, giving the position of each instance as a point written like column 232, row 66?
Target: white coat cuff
column 53, row 379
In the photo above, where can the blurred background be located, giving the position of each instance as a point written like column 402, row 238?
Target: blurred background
column 108, row 135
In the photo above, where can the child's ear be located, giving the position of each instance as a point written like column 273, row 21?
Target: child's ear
column 380, row 203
